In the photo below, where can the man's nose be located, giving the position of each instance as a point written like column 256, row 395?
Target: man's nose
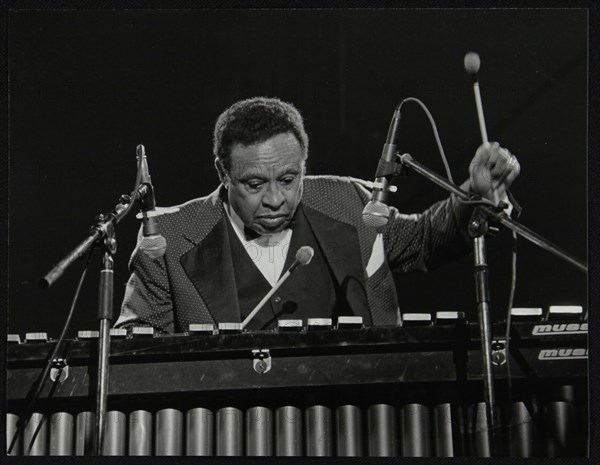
column 273, row 197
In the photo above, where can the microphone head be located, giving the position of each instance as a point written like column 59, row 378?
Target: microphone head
column 472, row 63
column 376, row 214
column 153, row 246
column 305, row 254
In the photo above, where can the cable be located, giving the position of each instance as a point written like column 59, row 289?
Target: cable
column 55, row 384
column 479, row 201
column 23, row 419
column 435, row 132
column 513, row 285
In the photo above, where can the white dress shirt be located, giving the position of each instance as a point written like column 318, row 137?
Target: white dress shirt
column 268, row 251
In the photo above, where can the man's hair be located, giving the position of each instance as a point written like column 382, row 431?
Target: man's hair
column 253, row 121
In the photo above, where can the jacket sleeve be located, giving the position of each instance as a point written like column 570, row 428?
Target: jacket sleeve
column 147, row 300
column 426, row 240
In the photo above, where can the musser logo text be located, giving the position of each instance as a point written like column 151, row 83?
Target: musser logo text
column 568, row 353
column 561, row 328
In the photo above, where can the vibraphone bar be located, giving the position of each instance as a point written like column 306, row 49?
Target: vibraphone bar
column 387, row 391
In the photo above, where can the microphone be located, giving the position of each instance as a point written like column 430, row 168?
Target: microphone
column 303, row 257
column 376, row 213
column 153, row 243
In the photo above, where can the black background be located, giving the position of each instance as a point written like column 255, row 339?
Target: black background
column 85, row 87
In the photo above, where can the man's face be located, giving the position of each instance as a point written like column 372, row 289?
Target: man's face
column 265, row 182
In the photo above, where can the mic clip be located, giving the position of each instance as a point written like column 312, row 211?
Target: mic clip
column 146, row 198
column 389, row 169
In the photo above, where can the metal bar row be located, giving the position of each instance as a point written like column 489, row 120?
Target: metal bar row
column 412, row 430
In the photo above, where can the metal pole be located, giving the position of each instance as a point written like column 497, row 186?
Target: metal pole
column 482, row 290
column 105, row 309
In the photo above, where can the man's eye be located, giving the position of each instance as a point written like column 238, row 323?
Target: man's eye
column 254, row 185
column 287, row 181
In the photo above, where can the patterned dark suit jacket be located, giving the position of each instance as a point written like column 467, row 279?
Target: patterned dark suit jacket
column 194, row 281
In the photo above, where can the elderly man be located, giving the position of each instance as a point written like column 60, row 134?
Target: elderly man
column 227, row 250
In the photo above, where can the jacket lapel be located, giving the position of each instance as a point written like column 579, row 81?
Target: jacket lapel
column 339, row 242
column 209, row 267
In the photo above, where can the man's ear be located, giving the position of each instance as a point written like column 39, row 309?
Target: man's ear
column 221, row 172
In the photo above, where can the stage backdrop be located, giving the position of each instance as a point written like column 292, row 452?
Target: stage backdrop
column 87, row 86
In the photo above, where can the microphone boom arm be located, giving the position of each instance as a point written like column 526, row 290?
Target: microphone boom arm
column 407, row 161
column 96, row 233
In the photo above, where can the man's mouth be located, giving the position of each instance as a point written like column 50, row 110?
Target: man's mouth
column 272, row 221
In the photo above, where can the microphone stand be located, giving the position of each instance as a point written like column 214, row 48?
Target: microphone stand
column 481, row 221
column 103, row 234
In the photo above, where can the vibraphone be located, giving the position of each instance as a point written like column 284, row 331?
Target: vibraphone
column 347, row 390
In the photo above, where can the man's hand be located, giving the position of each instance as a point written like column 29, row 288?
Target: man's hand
column 493, row 168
